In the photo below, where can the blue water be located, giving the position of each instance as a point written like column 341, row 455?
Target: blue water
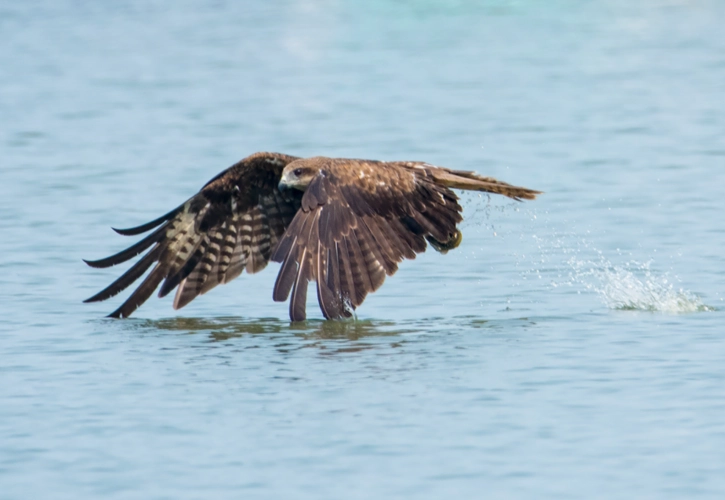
column 572, row 347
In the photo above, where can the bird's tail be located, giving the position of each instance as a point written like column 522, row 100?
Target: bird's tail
column 471, row 181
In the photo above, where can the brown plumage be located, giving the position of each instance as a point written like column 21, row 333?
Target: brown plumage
column 344, row 224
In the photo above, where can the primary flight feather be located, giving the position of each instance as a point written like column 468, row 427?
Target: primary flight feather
column 344, row 224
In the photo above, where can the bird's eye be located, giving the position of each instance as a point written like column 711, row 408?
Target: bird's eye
column 297, row 172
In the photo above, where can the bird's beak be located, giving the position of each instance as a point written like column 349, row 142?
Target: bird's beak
column 282, row 186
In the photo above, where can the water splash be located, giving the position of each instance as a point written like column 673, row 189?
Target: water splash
column 634, row 287
column 570, row 259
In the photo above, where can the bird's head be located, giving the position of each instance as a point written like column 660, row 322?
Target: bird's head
column 298, row 174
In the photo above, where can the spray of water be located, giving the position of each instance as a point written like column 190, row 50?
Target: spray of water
column 634, row 287
column 628, row 285
column 570, row 259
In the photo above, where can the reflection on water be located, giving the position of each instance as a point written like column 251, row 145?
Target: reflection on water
column 226, row 328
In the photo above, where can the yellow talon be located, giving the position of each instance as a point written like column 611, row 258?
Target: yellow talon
column 448, row 245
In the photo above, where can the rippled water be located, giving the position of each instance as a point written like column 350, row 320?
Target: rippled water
column 571, row 347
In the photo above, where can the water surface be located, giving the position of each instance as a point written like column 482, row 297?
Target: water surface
column 571, row 347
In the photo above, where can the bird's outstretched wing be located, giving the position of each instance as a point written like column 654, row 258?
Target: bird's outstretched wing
column 232, row 224
column 358, row 220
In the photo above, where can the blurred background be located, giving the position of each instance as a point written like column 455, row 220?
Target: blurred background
column 571, row 347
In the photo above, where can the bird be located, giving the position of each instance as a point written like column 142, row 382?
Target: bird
column 344, row 224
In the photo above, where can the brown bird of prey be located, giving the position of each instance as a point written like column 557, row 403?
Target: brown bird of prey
column 344, row 224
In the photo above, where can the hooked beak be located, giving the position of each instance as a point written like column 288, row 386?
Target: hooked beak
column 282, row 186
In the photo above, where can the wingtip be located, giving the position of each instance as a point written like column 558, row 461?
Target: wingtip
column 119, row 313
column 131, row 231
column 96, row 298
column 297, row 316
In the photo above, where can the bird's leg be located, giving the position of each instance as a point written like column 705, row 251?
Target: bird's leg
column 443, row 247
